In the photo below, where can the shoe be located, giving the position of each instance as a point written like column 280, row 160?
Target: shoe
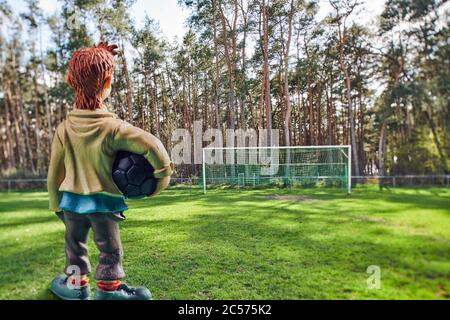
column 60, row 288
column 124, row 293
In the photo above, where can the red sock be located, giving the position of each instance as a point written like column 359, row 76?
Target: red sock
column 109, row 285
column 84, row 281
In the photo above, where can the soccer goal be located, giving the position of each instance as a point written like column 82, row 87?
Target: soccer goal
column 302, row 166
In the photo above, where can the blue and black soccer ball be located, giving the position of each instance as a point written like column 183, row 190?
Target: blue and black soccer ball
column 133, row 175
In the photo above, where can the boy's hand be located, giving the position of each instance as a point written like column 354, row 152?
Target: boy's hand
column 163, row 182
column 161, row 185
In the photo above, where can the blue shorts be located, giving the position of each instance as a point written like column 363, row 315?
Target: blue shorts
column 93, row 203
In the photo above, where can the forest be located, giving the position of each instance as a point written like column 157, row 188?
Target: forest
column 381, row 87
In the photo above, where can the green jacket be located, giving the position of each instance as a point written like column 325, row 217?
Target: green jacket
column 84, row 148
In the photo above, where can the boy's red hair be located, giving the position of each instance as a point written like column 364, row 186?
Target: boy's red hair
column 89, row 70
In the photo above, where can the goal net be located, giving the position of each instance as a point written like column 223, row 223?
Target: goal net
column 327, row 166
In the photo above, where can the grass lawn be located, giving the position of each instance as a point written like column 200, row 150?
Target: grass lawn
column 250, row 244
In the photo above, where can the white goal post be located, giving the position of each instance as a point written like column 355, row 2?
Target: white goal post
column 295, row 166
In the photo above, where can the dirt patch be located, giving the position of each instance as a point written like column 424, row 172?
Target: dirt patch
column 291, row 198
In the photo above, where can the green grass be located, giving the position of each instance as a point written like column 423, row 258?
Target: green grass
column 242, row 245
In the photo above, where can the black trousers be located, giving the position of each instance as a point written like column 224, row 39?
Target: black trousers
column 106, row 237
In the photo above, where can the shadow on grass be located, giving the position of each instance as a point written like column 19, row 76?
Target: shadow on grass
column 412, row 197
column 33, row 220
column 29, row 265
column 13, row 204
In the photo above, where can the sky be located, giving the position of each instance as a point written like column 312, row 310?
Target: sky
column 168, row 13
column 172, row 17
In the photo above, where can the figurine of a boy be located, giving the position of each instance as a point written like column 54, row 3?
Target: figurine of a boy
column 81, row 189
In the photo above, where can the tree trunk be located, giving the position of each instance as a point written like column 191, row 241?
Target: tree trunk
column 382, row 151
column 266, row 72
column 25, row 125
column 217, row 70
column 156, row 107
column 17, row 136
column 348, row 93
column 231, row 62
column 48, row 111
column 128, row 84
column 12, row 161
column 287, row 98
column 441, row 153
column 37, row 117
